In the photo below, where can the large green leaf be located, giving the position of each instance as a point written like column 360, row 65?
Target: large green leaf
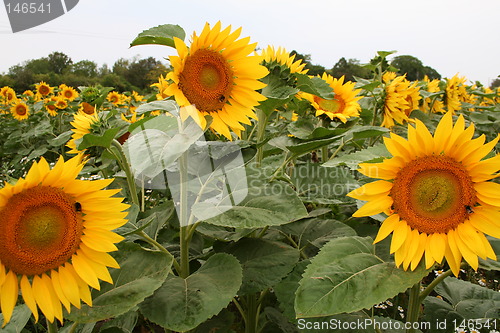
column 182, row 304
column 264, row 262
column 266, row 203
column 317, row 184
column 372, row 154
column 162, row 35
column 19, row 319
column 347, row 276
column 141, row 273
column 462, row 302
column 314, row 85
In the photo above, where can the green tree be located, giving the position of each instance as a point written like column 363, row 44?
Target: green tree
column 313, row 69
column 413, row 68
column 58, row 62
column 85, row 68
column 495, row 83
column 350, row 69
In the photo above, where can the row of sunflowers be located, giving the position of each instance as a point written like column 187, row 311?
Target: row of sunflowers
column 120, row 211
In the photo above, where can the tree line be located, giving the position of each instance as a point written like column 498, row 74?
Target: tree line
column 57, row 68
column 138, row 74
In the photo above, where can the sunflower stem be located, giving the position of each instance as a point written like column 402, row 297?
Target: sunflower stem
column 161, row 248
column 117, row 151
column 433, row 284
column 52, row 327
column 261, row 131
column 413, row 307
column 183, row 217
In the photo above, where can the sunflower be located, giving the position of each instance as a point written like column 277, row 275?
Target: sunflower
column 116, row 98
column 61, row 103
column 82, row 124
column 432, row 104
column 87, row 108
column 282, row 57
column 219, row 77
column 43, row 89
column 20, row 111
column 343, row 106
column 161, row 85
column 50, row 105
column 68, row 93
column 136, row 97
column 8, row 95
column 437, row 196
column 401, row 98
column 55, row 233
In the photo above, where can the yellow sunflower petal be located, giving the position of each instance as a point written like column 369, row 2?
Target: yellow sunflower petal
column 9, row 292
column 43, row 298
column 28, row 296
column 399, row 236
column 387, row 227
column 374, row 207
column 420, row 251
column 370, row 190
column 438, row 246
column 488, row 192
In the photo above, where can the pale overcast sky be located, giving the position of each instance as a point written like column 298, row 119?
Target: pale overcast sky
column 451, row 36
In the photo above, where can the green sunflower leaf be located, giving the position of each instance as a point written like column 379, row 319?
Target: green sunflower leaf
column 347, row 276
column 462, row 302
column 264, row 262
column 141, row 273
column 183, row 304
column 161, row 35
column 352, row 160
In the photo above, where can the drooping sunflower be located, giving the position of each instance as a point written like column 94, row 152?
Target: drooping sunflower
column 55, row 235
column 219, row 77
column 20, row 110
column 82, row 124
column 282, row 57
column 43, row 89
column 50, row 105
column 437, row 196
column 116, row 98
column 432, row 104
column 87, row 108
column 61, row 103
column 401, row 98
column 343, row 106
column 161, row 85
column 68, row 93
column 8, row 95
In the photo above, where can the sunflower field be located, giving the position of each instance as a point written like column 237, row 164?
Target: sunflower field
column 245, row 195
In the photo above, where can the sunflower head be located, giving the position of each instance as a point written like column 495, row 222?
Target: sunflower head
column 401, row 98
column 20, row 110
column 50, row 105
column 82, row 124
column 219, row 76
column 55, row 235
column 8, row 95
column 61, row 103
column 68, row 93
column 280, row 56
column 437, row 196
column 343, row 106
column 43, row 89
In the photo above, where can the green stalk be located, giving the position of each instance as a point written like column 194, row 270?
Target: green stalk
column 261, row 131
column 52, row 327
column 183, row 218
column 117, row 151
column 413, row 307
column 252, row 314
column 433, row 284
column 160, row 248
